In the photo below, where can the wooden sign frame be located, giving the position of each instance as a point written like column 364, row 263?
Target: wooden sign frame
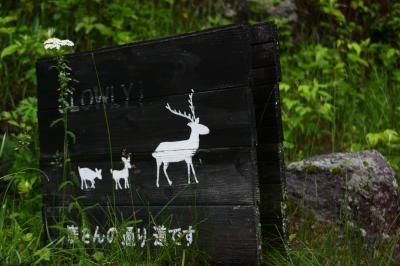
column 205, row 106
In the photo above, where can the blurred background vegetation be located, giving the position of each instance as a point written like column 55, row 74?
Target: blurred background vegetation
column 340, row 89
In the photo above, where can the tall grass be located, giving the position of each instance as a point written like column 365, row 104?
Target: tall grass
column 340, row 92
column 24, row 240
column 331, row 243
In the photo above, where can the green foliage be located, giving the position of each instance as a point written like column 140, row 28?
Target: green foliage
column 318, row 243
column 90, row 24
column 21, row 147
column 340, row 92
column 340, row 81
column 18, row 234
column 20, row 243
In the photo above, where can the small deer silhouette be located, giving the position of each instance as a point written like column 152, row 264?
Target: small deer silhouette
column 177, row 151
column 87, row 174
column 122, row 174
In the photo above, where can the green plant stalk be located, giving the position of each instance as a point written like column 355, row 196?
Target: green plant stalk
column 63, row 83
column 104, row 109
column 107, row 124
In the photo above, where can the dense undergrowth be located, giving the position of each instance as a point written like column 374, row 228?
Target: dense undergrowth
column 340, row 92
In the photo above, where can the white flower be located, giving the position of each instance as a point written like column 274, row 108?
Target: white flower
column 363, row 232
column 52, row 43
column 55, row 43
column 67, row 43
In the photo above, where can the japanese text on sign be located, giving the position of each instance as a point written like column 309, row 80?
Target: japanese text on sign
column 160, row 236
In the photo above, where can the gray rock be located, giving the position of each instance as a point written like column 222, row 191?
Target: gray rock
column 360, row 188
column 284, row 9
column 279, row 8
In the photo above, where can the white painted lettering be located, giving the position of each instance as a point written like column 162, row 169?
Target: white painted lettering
column 111, row 233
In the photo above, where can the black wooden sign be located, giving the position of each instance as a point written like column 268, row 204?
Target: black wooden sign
column 198, row 118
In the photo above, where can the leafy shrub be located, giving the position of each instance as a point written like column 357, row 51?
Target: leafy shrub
column 21, row 145
column 340, row 77
column 340, row 92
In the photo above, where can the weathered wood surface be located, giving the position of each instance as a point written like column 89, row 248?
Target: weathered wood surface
column 263, row 33
column 141, row 126
column 226, row 233
column 265, row 76
column 155, row 68
column 234, row 72
column 226, row 177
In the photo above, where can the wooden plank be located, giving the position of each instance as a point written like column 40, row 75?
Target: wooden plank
column 273, row 229
column 273, row 238
column 265, row 114
column 263, row 94
column 263, row 32
column 278, row 113
column 265, row 75
column 142, row 126
column 264, row 54
column 269, row 163
column 268, row 114
column 271, row 196
column 271, row 216
column 268, row 152
column 226, row 233
column 268, row 135
column 269, row 173
column 226, row 177
column 239, row 164
column 199, row 61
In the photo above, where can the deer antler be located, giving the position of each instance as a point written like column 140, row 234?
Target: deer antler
column 179, row 113
column 191, row 117
column 191, row 105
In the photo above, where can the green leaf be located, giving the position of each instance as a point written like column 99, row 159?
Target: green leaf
column 390, row 136
column 14, row 123
column 71, row 135
column 289, row 103
column 355, row 46
column 9, row 50
column 284, row 87
column 24, row 187
column 104, row 30
column 305, row 91
column 27, row 237
column 2, row 143
column 373, row 138
column 288, row 145
column 7, row 30
column 357, row 59
column 98, row 256
column 65, row 184
column 7, row 19
column 396, row 75
column 326, row 110
column 59, row 120
column 43, row 254
column 292, row 237
column 356, row 147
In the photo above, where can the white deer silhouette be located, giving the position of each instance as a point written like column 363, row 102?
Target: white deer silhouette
column 177, row 151
column 87, row 174
column 122, row 174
